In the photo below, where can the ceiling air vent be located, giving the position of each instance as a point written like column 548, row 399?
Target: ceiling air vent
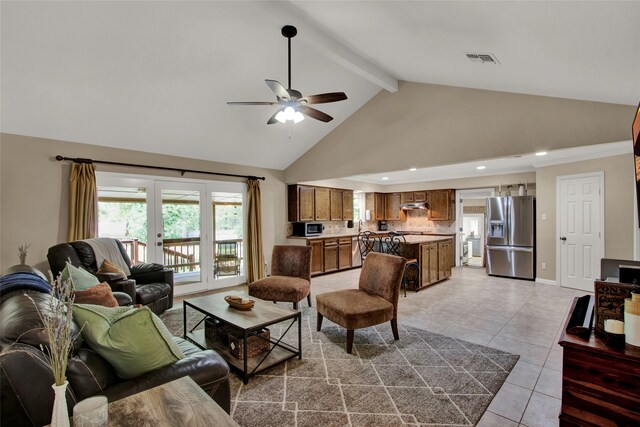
column 484, row 58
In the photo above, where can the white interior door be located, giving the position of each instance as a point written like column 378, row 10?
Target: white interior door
column 580, row 229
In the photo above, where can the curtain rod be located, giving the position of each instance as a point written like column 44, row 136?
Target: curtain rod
column 181, row 170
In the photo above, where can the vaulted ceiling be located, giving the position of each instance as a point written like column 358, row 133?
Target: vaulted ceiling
column 156, row 76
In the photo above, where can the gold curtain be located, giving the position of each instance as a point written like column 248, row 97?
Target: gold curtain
column 255, row 255
column 83, row 202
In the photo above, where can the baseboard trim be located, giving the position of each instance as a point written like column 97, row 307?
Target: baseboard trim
column 546, row 281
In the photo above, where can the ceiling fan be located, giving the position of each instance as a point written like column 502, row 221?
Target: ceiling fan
column 294, row 106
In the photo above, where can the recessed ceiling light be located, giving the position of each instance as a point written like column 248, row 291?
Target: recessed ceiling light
column 480, row 167
column 385, row 178
column 413, row 169
column 541, row 153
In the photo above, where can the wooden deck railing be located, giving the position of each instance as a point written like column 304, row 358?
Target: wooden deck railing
column 183, row 254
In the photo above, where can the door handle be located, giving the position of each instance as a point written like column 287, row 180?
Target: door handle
column 159, row 244
column 563, row 239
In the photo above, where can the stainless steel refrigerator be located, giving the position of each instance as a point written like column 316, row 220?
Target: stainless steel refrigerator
column 511, row 236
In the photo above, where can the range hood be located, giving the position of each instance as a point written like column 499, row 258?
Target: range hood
column 410, row 206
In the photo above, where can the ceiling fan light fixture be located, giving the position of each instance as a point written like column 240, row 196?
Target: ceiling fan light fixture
column 289, row 114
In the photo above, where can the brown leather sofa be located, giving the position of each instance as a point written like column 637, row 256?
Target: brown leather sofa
column 149, row 284
column 25, row 378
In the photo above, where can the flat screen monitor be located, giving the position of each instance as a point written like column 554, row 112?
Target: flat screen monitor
column 630, row 274
column 635, row 131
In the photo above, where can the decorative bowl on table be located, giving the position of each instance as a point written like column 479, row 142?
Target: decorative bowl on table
column 239, row 303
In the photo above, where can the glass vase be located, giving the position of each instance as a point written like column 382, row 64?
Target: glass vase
column 60, row 415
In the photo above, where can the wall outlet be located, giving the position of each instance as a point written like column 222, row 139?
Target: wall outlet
column 543, row 266
column 544, row 216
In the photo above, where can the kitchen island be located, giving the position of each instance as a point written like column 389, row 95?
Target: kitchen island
column 435, row 257
column 337, row 252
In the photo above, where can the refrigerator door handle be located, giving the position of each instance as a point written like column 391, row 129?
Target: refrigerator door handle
column 510, row 248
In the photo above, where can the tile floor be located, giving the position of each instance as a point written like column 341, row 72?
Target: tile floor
column 518, row 316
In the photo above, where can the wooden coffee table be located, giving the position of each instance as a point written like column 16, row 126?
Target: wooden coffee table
column 180, row 402
column 248, row 323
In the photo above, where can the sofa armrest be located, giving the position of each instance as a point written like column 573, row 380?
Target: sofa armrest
column 126, row 286
column 109, row 277
column 155, row 276
column 145, row 268
column 206, row 368
column 123, row 299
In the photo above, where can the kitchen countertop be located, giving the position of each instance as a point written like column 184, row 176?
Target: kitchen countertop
column 414, row 240
column 418, row 237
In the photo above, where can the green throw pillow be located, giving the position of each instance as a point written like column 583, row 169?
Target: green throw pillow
column 132, row 340
column 80, row 278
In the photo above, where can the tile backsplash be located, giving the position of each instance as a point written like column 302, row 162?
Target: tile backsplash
column 416, row 221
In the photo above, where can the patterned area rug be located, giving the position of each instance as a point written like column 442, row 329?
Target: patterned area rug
column 424, row 378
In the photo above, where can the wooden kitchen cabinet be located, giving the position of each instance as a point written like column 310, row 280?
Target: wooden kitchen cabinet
column 406, row 197
column 336, row 205
column 441, row 205
column 392, row 207
column 317, row 255
column 330, row 255
column 420, row 196
column 344, row 253
column 347, row 205
column 301, row 203
column 323, row 204
column 428, row 264
column 444, row 259
column 375, row 203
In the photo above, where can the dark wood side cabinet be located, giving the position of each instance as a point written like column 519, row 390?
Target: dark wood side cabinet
column 600, row 384
column 317, row 256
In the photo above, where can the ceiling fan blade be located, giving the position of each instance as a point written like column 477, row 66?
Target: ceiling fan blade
column 252, row 103
column 324, row 98
column 278, row 89
column 314, row 114
column 273, row 120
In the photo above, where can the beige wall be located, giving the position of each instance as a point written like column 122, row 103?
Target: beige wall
column 425, row 125
column 34, row 191
column 619, row 221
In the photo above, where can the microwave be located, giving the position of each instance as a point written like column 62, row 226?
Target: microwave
column 304, row 229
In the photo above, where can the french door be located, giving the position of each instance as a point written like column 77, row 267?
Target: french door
column 194, row 227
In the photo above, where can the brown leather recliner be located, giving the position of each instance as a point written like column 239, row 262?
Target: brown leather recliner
column 149, row 284
column 26, row 379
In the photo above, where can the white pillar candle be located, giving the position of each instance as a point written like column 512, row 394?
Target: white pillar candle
column 613, row 326
column 632, row 320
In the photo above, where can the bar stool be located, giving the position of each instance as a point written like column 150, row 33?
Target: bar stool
column 396, row 244
column 369, row 241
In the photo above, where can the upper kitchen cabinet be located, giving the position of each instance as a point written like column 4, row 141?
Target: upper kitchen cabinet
column 413, row 197
column 347, row 205
column 336, row 205
column 392, row 207
column 301, row 203
column 307, row 203
column 406, row 198
column 441, row 205
column 375, row 203
column 323, row 204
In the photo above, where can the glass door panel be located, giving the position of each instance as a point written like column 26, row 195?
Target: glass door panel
column 122, row 215
column 179, row 237
column 228, row 234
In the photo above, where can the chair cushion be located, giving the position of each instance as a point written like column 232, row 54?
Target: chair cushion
column 354, row 309
column 280, row 288
column 80, row 277
column 99, row 295
column 146, row 294
column 133, row 340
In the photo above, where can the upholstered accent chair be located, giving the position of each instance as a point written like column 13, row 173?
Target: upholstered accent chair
column 374, row 302
column 290, row 279
column 148, row 284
